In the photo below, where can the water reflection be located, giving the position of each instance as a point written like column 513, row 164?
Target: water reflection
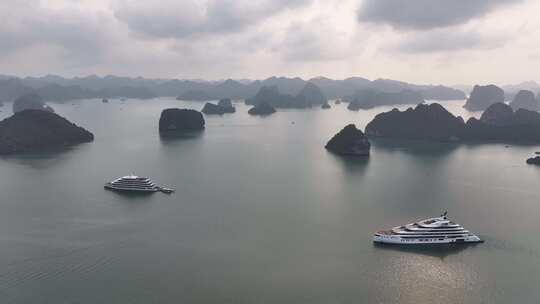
column 352, row 164
column 172, row 136
column 436, row 250
column 131, row 194
column 417, row 278
column 421, row 148
column 506, row 144
column 132, row 200
column 46, row 158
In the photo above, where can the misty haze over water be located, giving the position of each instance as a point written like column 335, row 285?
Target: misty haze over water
column 297, row 230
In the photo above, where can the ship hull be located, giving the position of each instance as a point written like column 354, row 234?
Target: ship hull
column 109, row 187
column 397, row 240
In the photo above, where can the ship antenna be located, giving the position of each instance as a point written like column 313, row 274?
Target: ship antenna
column 444, row 214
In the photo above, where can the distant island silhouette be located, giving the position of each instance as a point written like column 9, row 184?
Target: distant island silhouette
column 309, row 96
column 434, row 123
column 370, row 98
column 30, row 101
column 297, row 92
column 525, row 99
column 224, row 106
column 262, row 109
column 484, row 96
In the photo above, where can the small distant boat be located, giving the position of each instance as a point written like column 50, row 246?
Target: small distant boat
column 105, row 100
column 133, row 183
column 438, row 230
column 166, row 190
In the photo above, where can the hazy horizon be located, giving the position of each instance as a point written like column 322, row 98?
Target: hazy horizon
column 249, row 80
column 427, row 41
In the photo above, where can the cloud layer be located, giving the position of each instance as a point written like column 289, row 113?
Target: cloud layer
column 218, row 39
column 426, row 14
column 181, row 19
column 27, row 24
column 444, row 40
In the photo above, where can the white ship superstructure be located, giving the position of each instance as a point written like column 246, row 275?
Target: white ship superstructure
column 135, row 184
column 438, row 230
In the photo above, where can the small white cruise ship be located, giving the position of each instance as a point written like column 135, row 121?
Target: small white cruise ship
column 437, row 230
column 135, row 184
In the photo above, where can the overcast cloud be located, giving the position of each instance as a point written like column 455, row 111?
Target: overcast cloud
column 421, row 41
column 26, row 24
column 444, row 40
column 426, row 14
column 180, row 19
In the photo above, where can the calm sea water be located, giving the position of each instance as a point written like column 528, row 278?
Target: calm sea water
column 262, row 214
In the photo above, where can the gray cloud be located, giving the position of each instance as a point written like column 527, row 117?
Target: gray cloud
column 445, row 40
column 27, row 24
column 258, row 38
column 426, row 14
column 189, row 18
column 314, row 40
column 36, row 38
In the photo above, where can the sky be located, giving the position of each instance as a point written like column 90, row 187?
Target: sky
column 421, row 41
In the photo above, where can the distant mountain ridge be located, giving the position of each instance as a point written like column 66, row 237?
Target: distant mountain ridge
column 309, row 96
column 370, row 98
column 57, row 88
column 510, row 90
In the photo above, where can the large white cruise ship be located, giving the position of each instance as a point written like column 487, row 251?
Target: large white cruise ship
column 136, row 184
column 437, row 230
